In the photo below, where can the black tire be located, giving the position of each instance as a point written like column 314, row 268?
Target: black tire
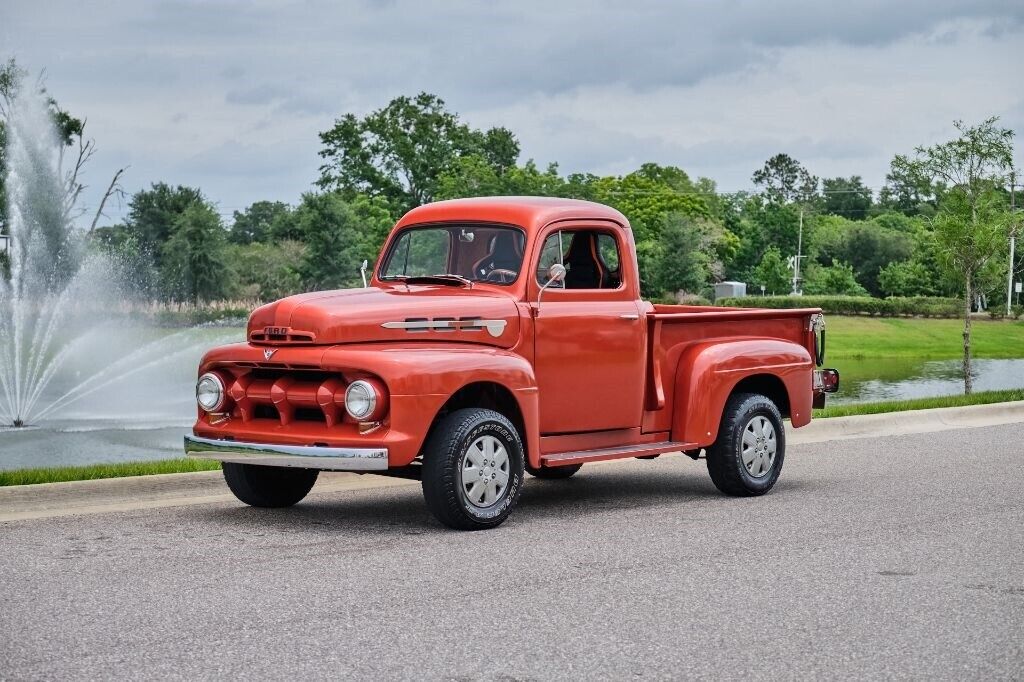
column 447, row 456
column 553, row 473
column 726, row 457
column 263, row 486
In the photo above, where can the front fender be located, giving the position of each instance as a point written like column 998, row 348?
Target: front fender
column 708, row 372
column 421, row 377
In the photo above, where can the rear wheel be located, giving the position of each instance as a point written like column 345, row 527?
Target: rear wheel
column 263, row 486
column 473, row 469
column 746, row 459
column 552, row 473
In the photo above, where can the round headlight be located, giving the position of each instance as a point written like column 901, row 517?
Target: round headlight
column 210, row 392
column 360, row 399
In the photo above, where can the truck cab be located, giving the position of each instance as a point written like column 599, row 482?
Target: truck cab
column 499, row 336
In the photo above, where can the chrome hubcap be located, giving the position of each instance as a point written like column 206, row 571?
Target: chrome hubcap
column 759, row 446
column 485, row 471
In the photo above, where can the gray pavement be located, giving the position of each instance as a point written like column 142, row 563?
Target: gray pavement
column 894, row 557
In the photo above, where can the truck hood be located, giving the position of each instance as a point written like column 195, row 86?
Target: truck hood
column 392, row 313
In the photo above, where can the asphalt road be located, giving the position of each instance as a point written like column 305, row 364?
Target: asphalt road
column 896, row 557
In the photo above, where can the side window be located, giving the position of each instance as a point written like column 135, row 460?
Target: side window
column 608, row 249
column 591, row 259
column 550, row 254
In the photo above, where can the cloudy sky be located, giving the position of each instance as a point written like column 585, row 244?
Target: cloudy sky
column 229, row 96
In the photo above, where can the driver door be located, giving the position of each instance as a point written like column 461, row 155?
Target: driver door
column 589, row 339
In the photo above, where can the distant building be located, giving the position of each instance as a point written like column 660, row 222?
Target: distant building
column 730, row 289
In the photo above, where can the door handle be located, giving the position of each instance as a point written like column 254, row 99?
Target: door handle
column 629, row 316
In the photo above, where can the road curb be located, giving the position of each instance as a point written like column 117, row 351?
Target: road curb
column 47, row 500
column 912, row 421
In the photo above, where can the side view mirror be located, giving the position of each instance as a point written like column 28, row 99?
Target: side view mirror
column 556, row 273
column 362, row 271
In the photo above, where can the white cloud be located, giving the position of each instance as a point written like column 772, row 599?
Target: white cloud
column 229, row 96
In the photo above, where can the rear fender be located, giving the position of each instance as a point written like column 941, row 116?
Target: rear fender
column 709, row 372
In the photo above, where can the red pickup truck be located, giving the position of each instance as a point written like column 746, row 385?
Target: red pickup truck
column 499, row 336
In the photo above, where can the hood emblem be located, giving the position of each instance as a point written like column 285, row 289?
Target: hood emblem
column 268, row 353
column 469, row 324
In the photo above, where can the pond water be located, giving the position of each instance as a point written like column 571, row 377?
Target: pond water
column 145, row 416
column 877, row 379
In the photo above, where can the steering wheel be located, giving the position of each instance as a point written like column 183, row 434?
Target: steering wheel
column 501, row 276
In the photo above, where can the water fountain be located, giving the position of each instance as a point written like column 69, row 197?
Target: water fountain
column 70, row 360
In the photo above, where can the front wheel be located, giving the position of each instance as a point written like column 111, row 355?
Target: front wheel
column 264, row 486
column 746, row 459
column 473, row 469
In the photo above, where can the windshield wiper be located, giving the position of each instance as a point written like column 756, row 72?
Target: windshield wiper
column 446, row 278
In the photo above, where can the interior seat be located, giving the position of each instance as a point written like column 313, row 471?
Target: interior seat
column 584, row 267
column 505, row 253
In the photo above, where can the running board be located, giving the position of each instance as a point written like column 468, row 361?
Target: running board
column 562, row 459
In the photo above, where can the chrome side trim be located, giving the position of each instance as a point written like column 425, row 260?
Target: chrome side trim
column 494, row 327
column 303, row 456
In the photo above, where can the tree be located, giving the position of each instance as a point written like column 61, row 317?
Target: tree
column 906, row 278
column 847, row 197
column 908, row 190
column 972, row 225
column 773, row 273
column 832, row 280
column 194, row 264
column 259, row 222
column 399, row 152
column 682, row 262
column 153, row 215
column 266, row 272
column 864, row 245
column 339, row 235
column 784, row 180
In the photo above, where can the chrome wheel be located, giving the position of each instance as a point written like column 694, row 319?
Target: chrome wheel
column 759, row 446
column 485, row 471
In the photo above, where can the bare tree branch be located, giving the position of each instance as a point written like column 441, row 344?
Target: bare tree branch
column 114, row 188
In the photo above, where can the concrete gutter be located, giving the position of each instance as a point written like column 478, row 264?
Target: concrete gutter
column 23, row 502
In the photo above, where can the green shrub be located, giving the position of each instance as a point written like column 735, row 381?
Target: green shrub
column 923, row 306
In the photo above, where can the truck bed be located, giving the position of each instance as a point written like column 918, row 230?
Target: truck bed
column 675, row 329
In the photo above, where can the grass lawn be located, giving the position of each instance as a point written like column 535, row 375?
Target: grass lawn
column 875, row 337
column 93, row 471
column 980, row 398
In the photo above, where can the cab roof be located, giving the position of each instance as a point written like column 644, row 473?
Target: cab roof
column 531, row 213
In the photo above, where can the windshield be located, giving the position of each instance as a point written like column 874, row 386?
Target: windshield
column 477, row 253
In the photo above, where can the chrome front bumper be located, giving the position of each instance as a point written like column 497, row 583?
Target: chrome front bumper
column 303, row 456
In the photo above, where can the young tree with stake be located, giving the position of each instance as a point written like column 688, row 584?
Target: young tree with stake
column 972, row 225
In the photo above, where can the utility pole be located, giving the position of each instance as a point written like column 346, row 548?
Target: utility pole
column 797, row 289
column 1013, row 238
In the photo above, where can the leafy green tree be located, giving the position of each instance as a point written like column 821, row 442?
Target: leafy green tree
column 682, row 262
column 266, row 272
column 783, row 180
column 773, row 273
column 906, row 278
column 339, row 235
column 260, row 222
column 864, row 245
column 972, row 225
column 153, row 215
column 194, row 264
column 909, row 190
column 399, row 152
column 832, row 280
column 847, row 197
